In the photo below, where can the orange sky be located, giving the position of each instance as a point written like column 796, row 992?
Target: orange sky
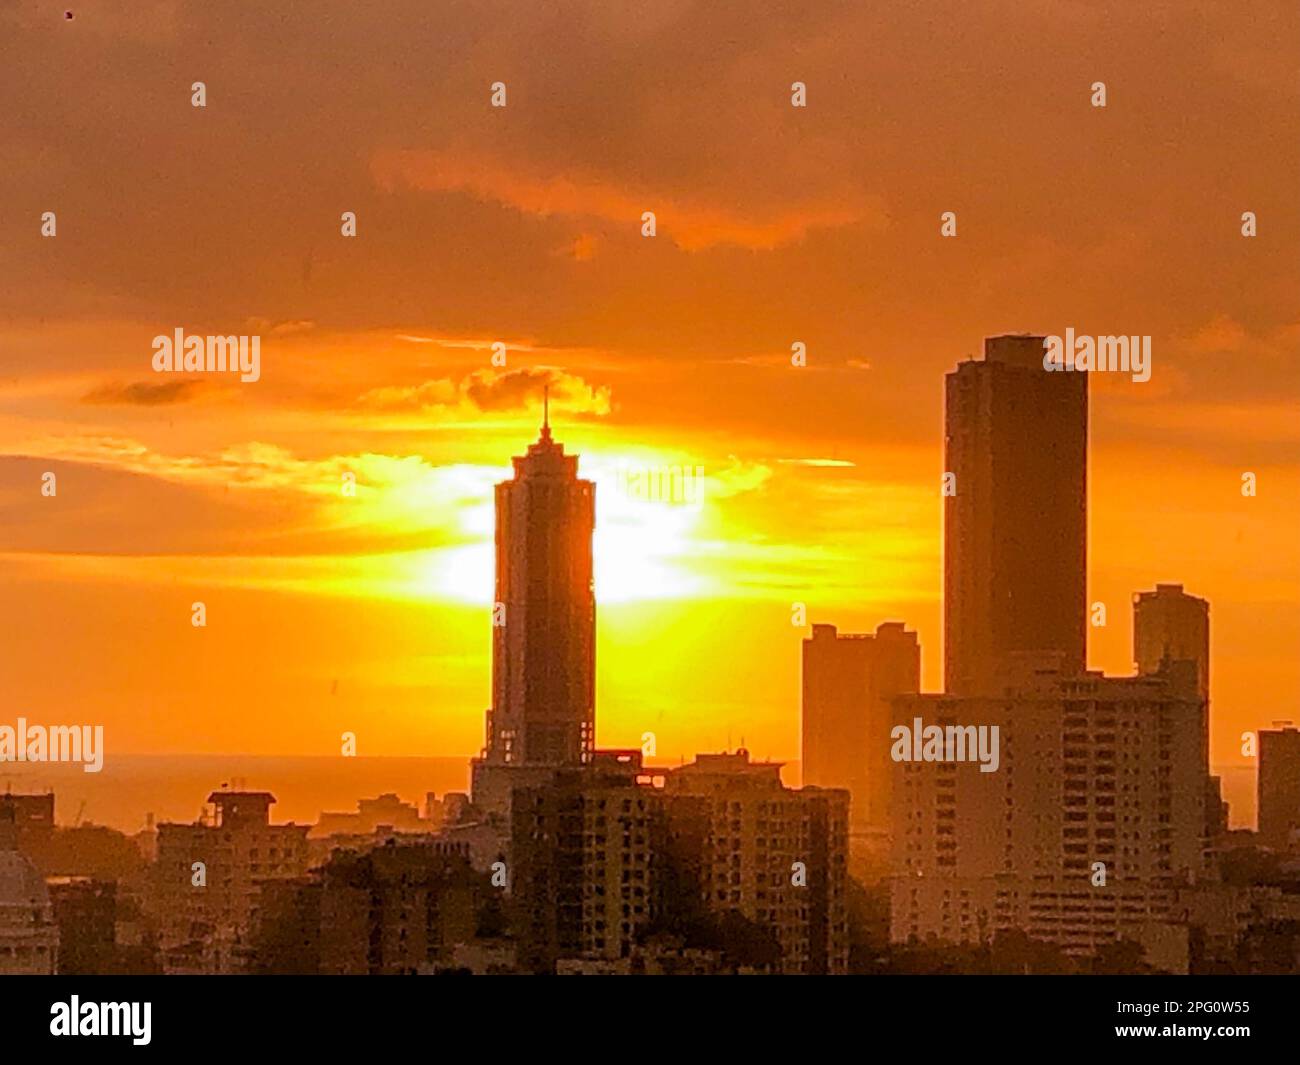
column 522, row 225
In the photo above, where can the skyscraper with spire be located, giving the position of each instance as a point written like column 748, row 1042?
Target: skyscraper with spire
column 544, row 634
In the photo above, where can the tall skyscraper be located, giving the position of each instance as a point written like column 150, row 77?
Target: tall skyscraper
column 1170, row 625
column 544, row 636
column 1279, row 785
column 848, row 683
column 1015, row 525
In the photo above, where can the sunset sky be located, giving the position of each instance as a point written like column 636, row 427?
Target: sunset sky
column 523, row 225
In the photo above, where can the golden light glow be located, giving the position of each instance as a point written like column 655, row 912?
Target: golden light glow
column 648, row 514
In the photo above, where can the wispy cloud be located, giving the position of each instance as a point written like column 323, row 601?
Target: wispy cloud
column 690, row 222
column 145, row 393
column 490, row 390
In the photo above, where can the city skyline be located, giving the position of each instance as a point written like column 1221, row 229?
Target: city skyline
column 545, row 524
column 670, row 497
column 568, row 858
column 688, row 488
column 1117, row 639
column 521, row 226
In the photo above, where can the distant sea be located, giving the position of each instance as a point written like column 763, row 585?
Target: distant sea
column 175, row 787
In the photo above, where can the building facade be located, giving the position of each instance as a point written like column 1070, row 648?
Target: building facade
column 1170, row 625
column 776, row 856
column 1091, row 819
column 849, row 682
column 586, row 861
column 1015, row 521
column 1279, row 787
column 208, row 875
column 29, row 932
column 544, row 635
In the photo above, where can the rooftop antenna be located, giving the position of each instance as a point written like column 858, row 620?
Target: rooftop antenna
column 546, row 412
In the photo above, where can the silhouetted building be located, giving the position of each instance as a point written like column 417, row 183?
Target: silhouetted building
column 32, row 817
column 455, row 806
column 1015, row 528
column 848, row 684
column 1279, row 786
column 205, row 915
column 775, row 856
column 387, row 811
column 1216, row 809
column 1170, row 625
column 723, row 867
column 86, row 912
column 287, row 935
column 1091, row 815
column 583, row 861
column 393, row 910
column 544, row 648
column 396, row 908
column 544, row 629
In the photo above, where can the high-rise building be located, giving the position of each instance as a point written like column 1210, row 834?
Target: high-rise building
column 32, row 817
column 776, row 856
column 208, row 875
column 1015, row 521
column 584, row 849
column 849, row 682
column 543, row 715
column 1171, row 626
column 544, row 635
column 1091, row 816
column 722, row 857
column 1279, row 786
column 396, row 908
column 86, row 910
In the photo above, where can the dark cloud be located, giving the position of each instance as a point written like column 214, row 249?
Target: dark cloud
column 145, row 393
column 519, row 389
column 491, row 390
column 775, row 224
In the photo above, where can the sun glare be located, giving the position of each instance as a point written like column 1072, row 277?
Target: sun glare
column 646, row 518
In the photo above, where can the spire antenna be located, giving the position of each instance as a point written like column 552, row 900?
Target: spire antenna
column 546, row 412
